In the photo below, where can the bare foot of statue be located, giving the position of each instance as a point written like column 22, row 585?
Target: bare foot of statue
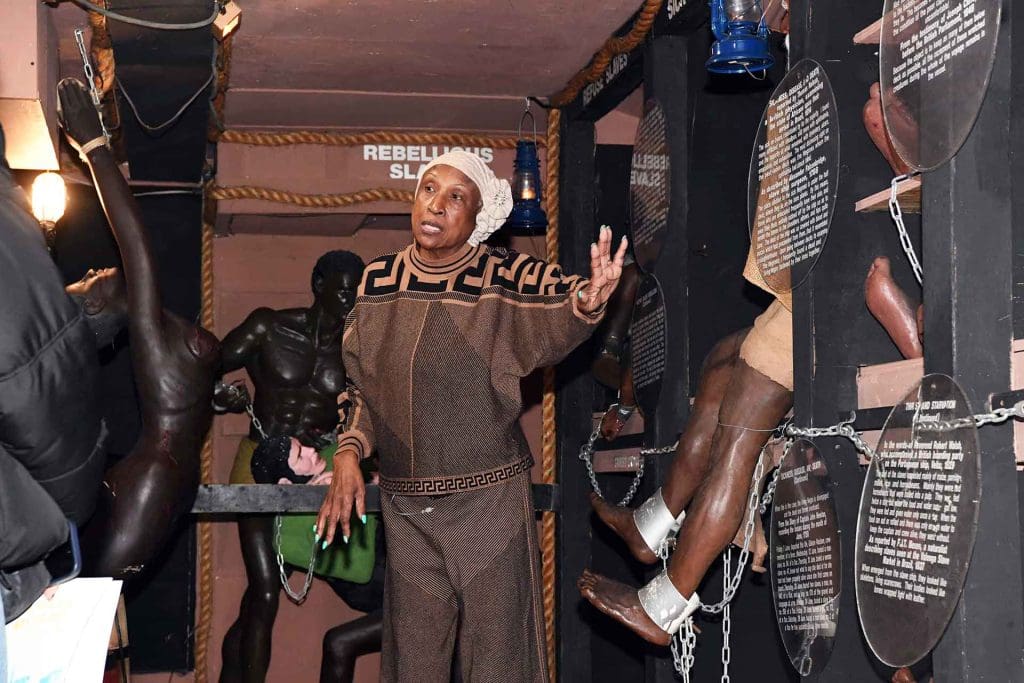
column 892, row 308
column 620, row 520
column 874, row 122
column 621, row 603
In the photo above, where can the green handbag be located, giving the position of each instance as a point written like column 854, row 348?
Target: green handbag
column 352, row 561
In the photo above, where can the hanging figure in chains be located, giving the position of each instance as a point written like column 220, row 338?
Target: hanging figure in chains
column 746, row 389
column 293, row 358
column 174, row 360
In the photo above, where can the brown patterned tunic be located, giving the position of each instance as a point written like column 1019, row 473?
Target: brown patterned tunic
column 434, row 351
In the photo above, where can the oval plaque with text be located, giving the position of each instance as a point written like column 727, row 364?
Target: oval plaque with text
column 935, row 60
column 805, row 558
column 917, row 521
column 647, row 343
column 794, row 174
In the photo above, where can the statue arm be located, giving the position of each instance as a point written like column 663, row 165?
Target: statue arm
column 82, row 126
column 239, row 347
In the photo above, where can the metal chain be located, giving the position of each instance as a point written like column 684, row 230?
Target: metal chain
column 255, row 420
column 726, row 617
column 731, row 583
column 844, row 429
column 587, row 456
column 897, row 216
column 94, row 94
column 996, row 416
column 299, row 597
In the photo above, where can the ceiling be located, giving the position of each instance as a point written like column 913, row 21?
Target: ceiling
column 400, row 64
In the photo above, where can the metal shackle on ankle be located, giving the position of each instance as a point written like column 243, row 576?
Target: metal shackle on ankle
column 665, row 605
column 655, row 522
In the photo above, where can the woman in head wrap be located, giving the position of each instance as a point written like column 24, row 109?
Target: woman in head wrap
column 435, row 347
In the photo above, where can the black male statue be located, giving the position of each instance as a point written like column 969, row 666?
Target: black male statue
column 293, row 357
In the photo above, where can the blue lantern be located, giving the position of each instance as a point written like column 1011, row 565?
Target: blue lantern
column 742, row 38
column 527, row 217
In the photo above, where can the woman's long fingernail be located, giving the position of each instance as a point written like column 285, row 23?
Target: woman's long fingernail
column 345, row 538
column 323, row 546
column 316, row 534
column 363, row 518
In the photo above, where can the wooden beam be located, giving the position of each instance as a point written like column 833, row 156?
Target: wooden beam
column 968, row 266
column 574, row 407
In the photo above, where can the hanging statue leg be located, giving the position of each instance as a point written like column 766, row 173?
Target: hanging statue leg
column 691, row 460
column 753, row 406
column 893, row 309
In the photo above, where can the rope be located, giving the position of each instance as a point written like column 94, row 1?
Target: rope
column 306, row 137
column 612, row 47
column 549, row 445
column 322, row 201
column 206, row 476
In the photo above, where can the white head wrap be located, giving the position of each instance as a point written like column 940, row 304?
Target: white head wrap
column 494, row 192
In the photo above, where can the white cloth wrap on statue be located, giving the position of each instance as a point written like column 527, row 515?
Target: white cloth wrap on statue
column 665, row 605
column 495, row 192
column 655, row 522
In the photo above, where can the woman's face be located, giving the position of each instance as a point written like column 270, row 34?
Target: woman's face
column 444, row 211
column 304, row 460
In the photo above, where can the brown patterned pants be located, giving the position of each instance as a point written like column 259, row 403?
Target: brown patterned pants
column 463, row 575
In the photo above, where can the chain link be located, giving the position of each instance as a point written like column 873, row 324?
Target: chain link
column 727, row 616
column 897, row 216
column 730, row 583
column 587, row 456
column 844, row 429
column 296, row 597
column 256, row 421
column 94, row 94
column 996, row 416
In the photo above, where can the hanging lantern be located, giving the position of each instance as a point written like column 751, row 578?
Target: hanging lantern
column 49, row 198
column 527, row 217
column 742, row 38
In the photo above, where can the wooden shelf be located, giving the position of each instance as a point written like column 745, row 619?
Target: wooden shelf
column 871, row 35
column 908, row 191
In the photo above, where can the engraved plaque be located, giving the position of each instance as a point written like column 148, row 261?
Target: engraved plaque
column 805, row 558
column 647, row 340
column 917, row 521
column 793, row 180
column 935, row 62
column 649, row 187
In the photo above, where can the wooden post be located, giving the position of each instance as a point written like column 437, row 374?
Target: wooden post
column 968, row 265
column 573, row 408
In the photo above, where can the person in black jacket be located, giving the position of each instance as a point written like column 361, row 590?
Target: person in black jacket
column 51, row 431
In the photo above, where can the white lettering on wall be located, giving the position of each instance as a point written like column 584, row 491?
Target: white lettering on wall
column 613, row 69
column 673, row 7
column 416, row 157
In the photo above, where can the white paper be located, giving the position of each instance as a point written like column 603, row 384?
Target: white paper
column 64, row 640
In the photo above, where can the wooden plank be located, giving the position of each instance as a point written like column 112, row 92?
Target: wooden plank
column 908, row 191
column 886, row 383
column 869, row 35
